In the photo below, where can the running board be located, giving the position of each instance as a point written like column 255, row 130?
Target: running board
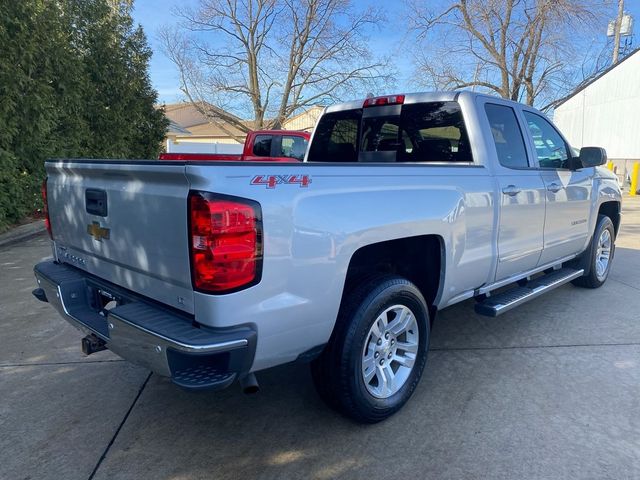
column 503, row 302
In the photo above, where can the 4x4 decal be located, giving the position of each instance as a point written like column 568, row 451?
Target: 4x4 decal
column 270, row 181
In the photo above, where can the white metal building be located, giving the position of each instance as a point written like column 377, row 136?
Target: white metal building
column 606, row 113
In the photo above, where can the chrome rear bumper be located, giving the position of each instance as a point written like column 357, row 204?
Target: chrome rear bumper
column 167, row 342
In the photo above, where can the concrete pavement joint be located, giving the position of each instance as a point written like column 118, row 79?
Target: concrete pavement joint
column 534, row 347
column 115, row 435
column 53, row 364
column 623, row 283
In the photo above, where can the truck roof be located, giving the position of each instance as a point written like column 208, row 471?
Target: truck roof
column 415, row 97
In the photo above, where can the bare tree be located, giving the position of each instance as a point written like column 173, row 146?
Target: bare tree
column 269, row 59
column 518, row 49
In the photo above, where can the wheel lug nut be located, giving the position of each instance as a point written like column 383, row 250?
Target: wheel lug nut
column 386, row 335
column 376, row 355
column 389, row 356
column 382, row 362
column 393, row 341
column 379, row 342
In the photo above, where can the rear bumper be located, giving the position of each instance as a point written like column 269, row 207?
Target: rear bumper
column 165, row 341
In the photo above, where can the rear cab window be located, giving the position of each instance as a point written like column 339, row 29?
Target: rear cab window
column 421, row 132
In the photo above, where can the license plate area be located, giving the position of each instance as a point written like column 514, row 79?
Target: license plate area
column 107, row 301
column 103, row 300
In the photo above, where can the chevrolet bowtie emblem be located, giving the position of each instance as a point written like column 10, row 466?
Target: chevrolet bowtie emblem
column 96, row 231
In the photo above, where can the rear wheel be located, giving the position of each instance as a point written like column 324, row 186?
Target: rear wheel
column 601, row 255
column 377, row 352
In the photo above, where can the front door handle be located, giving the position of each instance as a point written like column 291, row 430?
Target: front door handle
column 554, row 187
column 511, row 190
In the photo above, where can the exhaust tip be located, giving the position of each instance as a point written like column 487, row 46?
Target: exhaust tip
column 251, row 390
column 249, row 384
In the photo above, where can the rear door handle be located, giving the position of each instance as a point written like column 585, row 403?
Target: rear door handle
column 554, row 187
column 511, row 190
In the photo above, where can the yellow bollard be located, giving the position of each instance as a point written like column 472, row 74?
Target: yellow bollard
column 610, row 165
column 634, row 178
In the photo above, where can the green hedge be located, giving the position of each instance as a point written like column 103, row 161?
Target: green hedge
column 73, row 83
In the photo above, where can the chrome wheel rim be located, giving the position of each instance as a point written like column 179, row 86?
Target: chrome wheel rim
column 603, row 254
column 390, row 351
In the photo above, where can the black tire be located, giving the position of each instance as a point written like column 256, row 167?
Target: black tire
column 337, row 372
column 591, row 280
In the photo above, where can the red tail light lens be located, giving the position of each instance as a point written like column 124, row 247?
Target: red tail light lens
column 226, row 242
column 45, row 208
column 386, row 100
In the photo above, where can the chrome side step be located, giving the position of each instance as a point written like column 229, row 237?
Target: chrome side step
column 503, row 302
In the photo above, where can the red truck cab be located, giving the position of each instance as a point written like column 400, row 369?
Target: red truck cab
column 259, row 146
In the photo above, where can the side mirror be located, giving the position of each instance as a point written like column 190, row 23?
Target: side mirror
column 592, row 156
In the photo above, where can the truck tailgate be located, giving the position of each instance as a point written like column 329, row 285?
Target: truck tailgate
column 125, row 222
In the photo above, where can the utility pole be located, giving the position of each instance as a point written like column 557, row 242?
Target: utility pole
column 475, row 77
column 616, row 31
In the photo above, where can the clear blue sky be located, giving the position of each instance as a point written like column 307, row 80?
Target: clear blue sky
column 152, row 14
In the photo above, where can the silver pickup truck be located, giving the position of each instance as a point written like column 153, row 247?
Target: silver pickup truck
column 404, row 205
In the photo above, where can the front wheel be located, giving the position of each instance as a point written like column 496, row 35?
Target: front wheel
column 377, row 352
column 601, row 255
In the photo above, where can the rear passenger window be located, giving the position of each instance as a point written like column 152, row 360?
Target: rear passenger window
column 507, row 136
column 262, row 146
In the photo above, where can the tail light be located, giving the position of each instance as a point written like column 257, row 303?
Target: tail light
column 226, row 242
column 386, row 100
column 45, row 208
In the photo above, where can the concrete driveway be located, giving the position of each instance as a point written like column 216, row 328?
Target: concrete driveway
column 549, row 390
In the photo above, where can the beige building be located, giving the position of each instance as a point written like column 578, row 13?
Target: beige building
column 189, row 127
column 197, row 128
column 305, row 120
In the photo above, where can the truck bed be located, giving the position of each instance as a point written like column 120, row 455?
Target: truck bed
column 315, row 216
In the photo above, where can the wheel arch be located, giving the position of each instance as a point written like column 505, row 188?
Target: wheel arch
column 420, row 259
column 612, row 210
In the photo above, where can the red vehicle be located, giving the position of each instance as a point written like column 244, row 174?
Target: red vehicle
column 259, row 146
